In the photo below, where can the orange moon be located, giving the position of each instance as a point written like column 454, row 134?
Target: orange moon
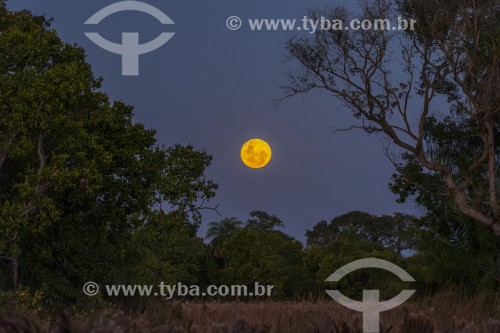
column 256, row 153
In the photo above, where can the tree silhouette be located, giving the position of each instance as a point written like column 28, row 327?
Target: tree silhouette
column 395, row 85
column 263, row 221
column 220, row 231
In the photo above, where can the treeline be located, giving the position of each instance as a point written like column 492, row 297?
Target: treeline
column 438, row 256
column 165, row 249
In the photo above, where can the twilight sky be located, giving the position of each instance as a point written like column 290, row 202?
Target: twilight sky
column 216, row 88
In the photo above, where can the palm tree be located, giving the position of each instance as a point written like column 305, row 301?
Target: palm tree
column 220, row 231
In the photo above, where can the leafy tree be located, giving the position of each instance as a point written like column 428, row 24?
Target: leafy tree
column 322, row 234
column 51, row 151
column 184, row 185
column 358, row 235
column 451, row 249
column 268, row 257
column 164, row 251
column 451, row 56
column 261, row 220
column 81, row 184
column 220, row 231
column 394, row 232
column 348, row 248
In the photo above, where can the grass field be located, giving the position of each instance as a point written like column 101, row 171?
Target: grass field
column 446, row 312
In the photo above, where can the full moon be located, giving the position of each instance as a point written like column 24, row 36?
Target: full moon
column 255, row 153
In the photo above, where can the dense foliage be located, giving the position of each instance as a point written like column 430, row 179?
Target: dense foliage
column 82, row 187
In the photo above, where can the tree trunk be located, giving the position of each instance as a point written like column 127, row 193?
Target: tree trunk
column 14, row 270
column 14, row 274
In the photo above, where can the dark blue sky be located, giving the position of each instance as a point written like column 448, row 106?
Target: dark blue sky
column 216, row 88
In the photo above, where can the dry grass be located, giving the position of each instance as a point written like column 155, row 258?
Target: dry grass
column 446, row 312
